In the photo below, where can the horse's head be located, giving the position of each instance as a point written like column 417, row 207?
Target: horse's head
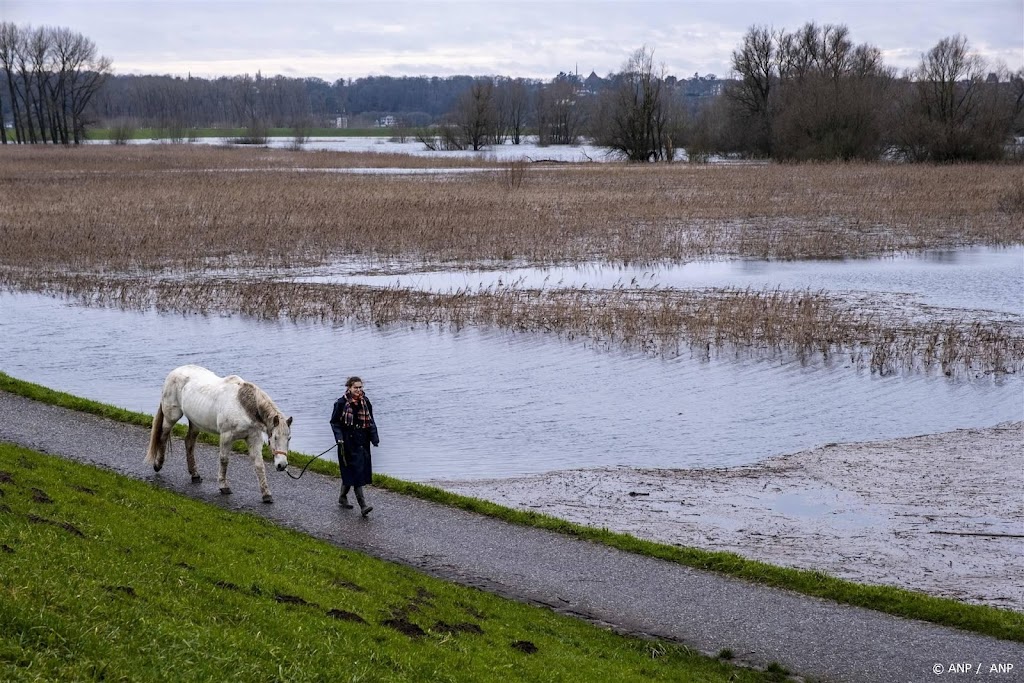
column 280, row 434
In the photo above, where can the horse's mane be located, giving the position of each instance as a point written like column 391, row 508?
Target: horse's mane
column 257, row 404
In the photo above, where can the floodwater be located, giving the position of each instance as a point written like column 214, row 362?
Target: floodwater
column 482, row 403
column 529, row 149
column 976, row 279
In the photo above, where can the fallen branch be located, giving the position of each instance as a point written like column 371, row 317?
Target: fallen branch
column 974, row 533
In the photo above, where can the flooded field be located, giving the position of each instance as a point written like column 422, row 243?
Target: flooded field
column 761, row 359
column 979, row 279
column 487, row 403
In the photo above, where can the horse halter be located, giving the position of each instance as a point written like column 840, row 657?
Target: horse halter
column 270, row 441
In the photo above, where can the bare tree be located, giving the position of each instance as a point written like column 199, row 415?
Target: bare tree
column 446, row 137
column 8, row 45
column 77, row 72
column 831, row 98
column 953, row 111
column 37, row 48
column 705, row 130
column 514, row 104
column 52, row 75
column 476, row 115
column 810, row 94
column 248, row 108
column 560, row 112
column 756, row 65
column 638, row 117
column 121, row 131
column 22, row 74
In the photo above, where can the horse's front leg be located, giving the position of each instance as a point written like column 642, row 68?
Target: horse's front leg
column 256, row 453
column 190, row 452
column 225, row 452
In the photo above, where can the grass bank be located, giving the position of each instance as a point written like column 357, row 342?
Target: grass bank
column 990, row 621
column 107, row 578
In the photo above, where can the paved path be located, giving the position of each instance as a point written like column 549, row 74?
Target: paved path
column 814, row 638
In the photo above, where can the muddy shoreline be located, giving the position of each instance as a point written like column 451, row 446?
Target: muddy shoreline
column 941, row 514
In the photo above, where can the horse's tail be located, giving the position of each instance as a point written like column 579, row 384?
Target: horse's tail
column 157, row 445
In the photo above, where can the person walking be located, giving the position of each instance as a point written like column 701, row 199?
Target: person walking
column 354, row 430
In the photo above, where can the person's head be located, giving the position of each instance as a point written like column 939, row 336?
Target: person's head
column 354, row 386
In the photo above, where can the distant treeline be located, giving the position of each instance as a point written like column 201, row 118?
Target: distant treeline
column 810, row 94
column 159, row 101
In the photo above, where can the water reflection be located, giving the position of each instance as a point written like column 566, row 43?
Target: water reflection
column 382, row 145
column 477, row 404
column 983, row 278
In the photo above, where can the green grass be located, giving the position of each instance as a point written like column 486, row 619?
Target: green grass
column 998, row 623
column 155, row 133
column 103, row 577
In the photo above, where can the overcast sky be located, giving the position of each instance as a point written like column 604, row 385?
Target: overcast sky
column 527, row 38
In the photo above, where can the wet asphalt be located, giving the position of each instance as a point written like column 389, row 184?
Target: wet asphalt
column 813, row 638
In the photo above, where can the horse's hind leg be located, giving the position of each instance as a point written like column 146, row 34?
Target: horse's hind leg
column 256, row 452
column 222, row 473
column 161, row 440
column 190, row 452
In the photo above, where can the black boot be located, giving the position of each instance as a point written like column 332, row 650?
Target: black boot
column 343, row 498
column 363, row 507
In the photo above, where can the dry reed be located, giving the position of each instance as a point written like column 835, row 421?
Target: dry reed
column 179, row 207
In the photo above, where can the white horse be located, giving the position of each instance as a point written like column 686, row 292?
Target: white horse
column 228, row 406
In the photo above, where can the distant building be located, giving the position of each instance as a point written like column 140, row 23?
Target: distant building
column 386, row 122
column 341, row 122
column 593, row 83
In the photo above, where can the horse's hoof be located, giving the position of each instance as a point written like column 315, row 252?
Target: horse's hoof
column 156, row 468
column 196, row 479
column 226, row 491
column 268, row 498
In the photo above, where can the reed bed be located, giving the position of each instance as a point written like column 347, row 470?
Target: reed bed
column 186, row 208
column 808, row 325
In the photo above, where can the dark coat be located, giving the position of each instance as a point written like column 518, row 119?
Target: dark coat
column 354, row 451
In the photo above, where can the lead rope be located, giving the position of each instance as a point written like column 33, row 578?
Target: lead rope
column 333, row 445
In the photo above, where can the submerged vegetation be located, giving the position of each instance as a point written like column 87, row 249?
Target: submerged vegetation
column 810, row 325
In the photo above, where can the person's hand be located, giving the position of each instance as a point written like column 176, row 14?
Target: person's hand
column 376, row 443
column 339, row 442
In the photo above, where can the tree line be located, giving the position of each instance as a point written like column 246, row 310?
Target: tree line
column 49, row 78
column 814, row 94
column 809, row 94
